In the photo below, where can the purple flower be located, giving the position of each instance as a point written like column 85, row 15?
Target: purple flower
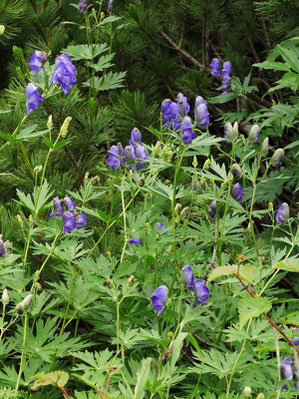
column 130, row 153
column 183, row 105
column 135, row 241
column 68, row 222
column 2, row 248
column 37, row 60
column 225, row 84
column 237, row 192
column 283, row 213
column 170, row 111
column 110, row 6
column 226, row 75
column 236, row 171
column 187, row 277
column 33, row 98
column 198, row 101
column 57, row 209
column 215, row 67
column 160, row 226
column 201, row 291
column 286, row 371
column 141, row 154
column 254, row 134
column 295, row 340
column 64, row 73
column 80, row 219
column 186, row 131
column 135, row 136
column 116, row 156
column 82, row 6
column 202, row 117
column 69, row 204
column 212, row 209
column 159, row 298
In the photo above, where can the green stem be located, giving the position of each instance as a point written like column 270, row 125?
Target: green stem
column 23, row 353
column 124, row 218
column 69, row 300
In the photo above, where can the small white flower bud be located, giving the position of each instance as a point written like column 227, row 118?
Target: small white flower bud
column 247, row 392
column 38, row 169
column 5, row 297
column 2, row 30
column 20, row 307
column 265, row 147
column 50, row 122
column 27, row 300
column 20, row 220
column 64, row 128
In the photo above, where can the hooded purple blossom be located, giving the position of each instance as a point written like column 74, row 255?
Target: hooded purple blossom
column 160, row 226
column 110, row 6
column 215, row 67
column 201, row 291
column 183, row 105
column 135, row 136
column 186, row 131
column 282, row 214
column 202, row 117
column 237, row 192
column 82, row 6
column 37, row 60
column 198, row 101
column 141, row 154
column 170, row 114
column 57, row 209
column 116, row 156
column 286, row 371
column 226, row 75
column 187, row 277
column 254, row 134
column 212, row 210
column 72, row 220
column 69, row 204
column 159, row 298
column 135, row 241
column 34, row 98
column 64, row 73
column 295, row 340
column 2, row 249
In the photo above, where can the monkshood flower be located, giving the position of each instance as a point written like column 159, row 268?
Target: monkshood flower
column 187, row 277
column 110, row 6
column 69, row 204
column 82, row 6
column 141, row 154
column 201, row 291
column 64, row 73
column 183, row 105
column 202, row 116
column 231, row 133
column 215, row 67
column 265, row 147
column 170, row 111
column 135, row 241
column 116, row 156
column 254, row 134
column 135, row 136
column 295, row 340
column 2, row 248
column 57, row 209
column 37, row 60
column 283, row 213
column 226, row 76
column 34, row 98
column 277, row 158
column 186, row 131
column 159, row 298
column 72, row 220
column 237, row 192
column 130, row 153
column 198, row 101
column 212, row 210
column 236, row 171
column 160, row 226
column 286, row 371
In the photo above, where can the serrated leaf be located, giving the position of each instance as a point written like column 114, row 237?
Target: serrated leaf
column 290, row 264
column 247, row 272
column 83, row 51
column 277, row 66
column 57, row 378
column 250, row 307
column 108, row 82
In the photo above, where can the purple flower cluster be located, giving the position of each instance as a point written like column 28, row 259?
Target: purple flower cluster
column 199, row 287
column 134, row 154
column 225, row 74
column 64, row 73
column 71, row 218
column 82, row 6
column 174, row 111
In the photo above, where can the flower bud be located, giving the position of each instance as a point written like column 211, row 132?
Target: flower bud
column 110, row 283
column 270, row 206
column 65, row 126
column 38, row 286
column 212, row 210
column 2, row 30
column 31, row 219
column 177, row 208
column 237, row 192
column 187, row 277
column 37, row 169
column 130, row 174
column 194, row 162
column 167, row 153
column 86, row 176
column 247, row 392
column 231, row 132
column 131, row 280
column 236, row 171
column 95, row 180
column 206, row 165
column 20, row 307
column 254, row 134
column 20, row 220
column 283, row 214
column 277, row 158
column 50, row 122
column 265, row 147
column 108, row 254
column 141, row 181
column 5, row 297
column 184, row 213
column 27, row 300
column 157, row 148
column 260, row 396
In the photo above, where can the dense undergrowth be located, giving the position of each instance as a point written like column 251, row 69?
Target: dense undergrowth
column 147, row 250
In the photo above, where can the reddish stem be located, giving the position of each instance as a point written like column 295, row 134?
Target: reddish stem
column 63, row 391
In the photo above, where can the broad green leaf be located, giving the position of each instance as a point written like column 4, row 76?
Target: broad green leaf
column 247, row 272
column 83, row 51
column 290, row 264
column 278, row 66
column 108, row 82
column 250, row 307
column 222, row 99
column 57, row 378
column 290, row 55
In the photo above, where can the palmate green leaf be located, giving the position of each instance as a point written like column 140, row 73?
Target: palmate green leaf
column 277, row 66
column 57, row 378
column 250, row 307
column 108, row 82
column 289, row 264
column 84, row 52
column 290, row 56
column 247, row 272
column 104, row 62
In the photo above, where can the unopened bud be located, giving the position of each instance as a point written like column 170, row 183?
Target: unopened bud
column 31, row 219
column 95, row 180
column 141, row 181
column 254, row 134
column 110, row 283
column 131, row 280
column 177, row 208
column 130, row 174
column 265, row 147
column 184, row 213
column 20, row 307
column 247, row 392
column 207, row 164
column 108, row 254
column 260, row 396
column 37, row 169
column 20, row 220
column 86, row 176
column 65, row 126
column 194, row 162
column 212, row 209
column 157, row 148
column 27, row 300
column 2, row 30
column 38, row 286
column 5, row 297
column 277, row 158
column 231, row 133
column 167, row 153
column 236, row 171
column 270, row 206
column 50, row 122
column 102, row 15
